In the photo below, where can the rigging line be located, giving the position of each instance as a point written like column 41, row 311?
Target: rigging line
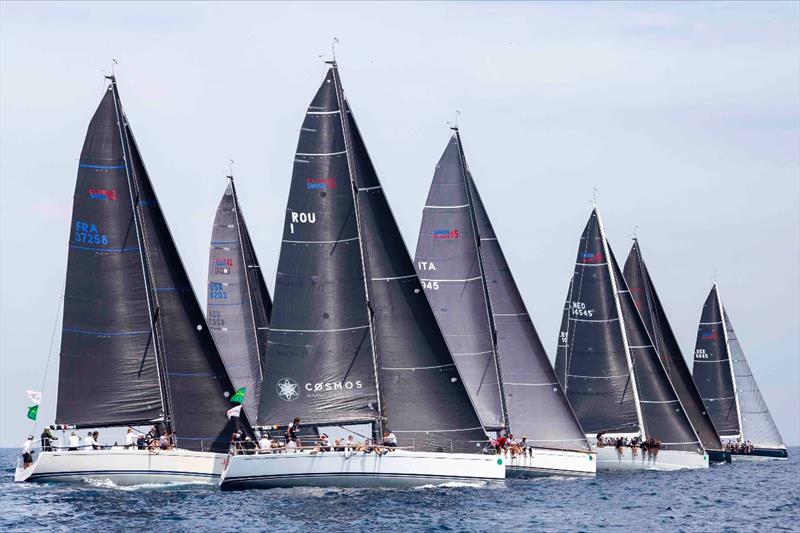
column 50, row 351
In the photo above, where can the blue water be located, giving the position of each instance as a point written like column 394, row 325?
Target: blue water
column 761, row 496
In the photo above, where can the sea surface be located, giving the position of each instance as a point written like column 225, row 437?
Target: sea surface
column 763, row 496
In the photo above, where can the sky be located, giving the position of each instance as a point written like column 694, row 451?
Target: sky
column 685, row 118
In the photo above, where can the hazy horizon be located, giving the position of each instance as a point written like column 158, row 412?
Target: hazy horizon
column 684, row 116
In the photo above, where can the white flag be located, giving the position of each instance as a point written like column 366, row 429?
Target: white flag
column 35, row 397
column 235, row 411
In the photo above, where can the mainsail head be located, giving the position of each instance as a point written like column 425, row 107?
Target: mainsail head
column 238, row 301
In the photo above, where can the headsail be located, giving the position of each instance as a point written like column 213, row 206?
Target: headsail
column 386, row 341
column 712, row 369
column 108, row 374
column 533, row 399
column 655, row 320
column 757, row 424
column 238, row 301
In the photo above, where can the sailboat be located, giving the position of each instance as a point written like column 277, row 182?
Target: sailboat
column 488, row 329
column 238, row 305
column 655, row 320
column 352, row 338
column 135, row 348
column 611, row 372
column 729, row 389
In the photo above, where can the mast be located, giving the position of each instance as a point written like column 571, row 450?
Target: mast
column 343, row 111
column 623, row 329
column 152, row 298
column 482, row 267
column 730, row 363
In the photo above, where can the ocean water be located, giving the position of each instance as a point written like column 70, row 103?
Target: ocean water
column 763, row 496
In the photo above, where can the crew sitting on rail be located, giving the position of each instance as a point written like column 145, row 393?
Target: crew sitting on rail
column 389, row 440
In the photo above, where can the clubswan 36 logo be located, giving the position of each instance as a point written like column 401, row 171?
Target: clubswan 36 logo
column 287, row 389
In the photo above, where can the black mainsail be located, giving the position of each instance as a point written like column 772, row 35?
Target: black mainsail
column 614, row 378
column 726, row 382
column 135, row 345
column 238, row 302
column 478, row 305
column 655, row 320
column 352, row 336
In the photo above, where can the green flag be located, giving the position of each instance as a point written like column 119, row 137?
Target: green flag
column 239, row 396
column 33, row 411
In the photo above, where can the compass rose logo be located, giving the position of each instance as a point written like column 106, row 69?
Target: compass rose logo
column 287, row 389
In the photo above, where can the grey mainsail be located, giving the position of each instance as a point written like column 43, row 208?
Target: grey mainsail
column 726, row 382
column 352, row 337
column 606, row 330
column 192, row 382
column 655, row 320
column 598, row 380
column 238, row 301
column 712, row 370
column 533, row 400
column 448, row 263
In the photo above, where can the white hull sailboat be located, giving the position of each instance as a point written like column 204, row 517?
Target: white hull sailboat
column 544, row 462
column 729, row 389
column 487, row 326
column 124, row 466
column 135, row 347
column 611, row 459
column 395, row 469
column 352, row 338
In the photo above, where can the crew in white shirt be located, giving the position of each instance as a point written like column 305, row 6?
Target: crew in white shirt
column 89, row 442
column 74, row 442
column 27, row 458
column 130, row 439
column 264, row 443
